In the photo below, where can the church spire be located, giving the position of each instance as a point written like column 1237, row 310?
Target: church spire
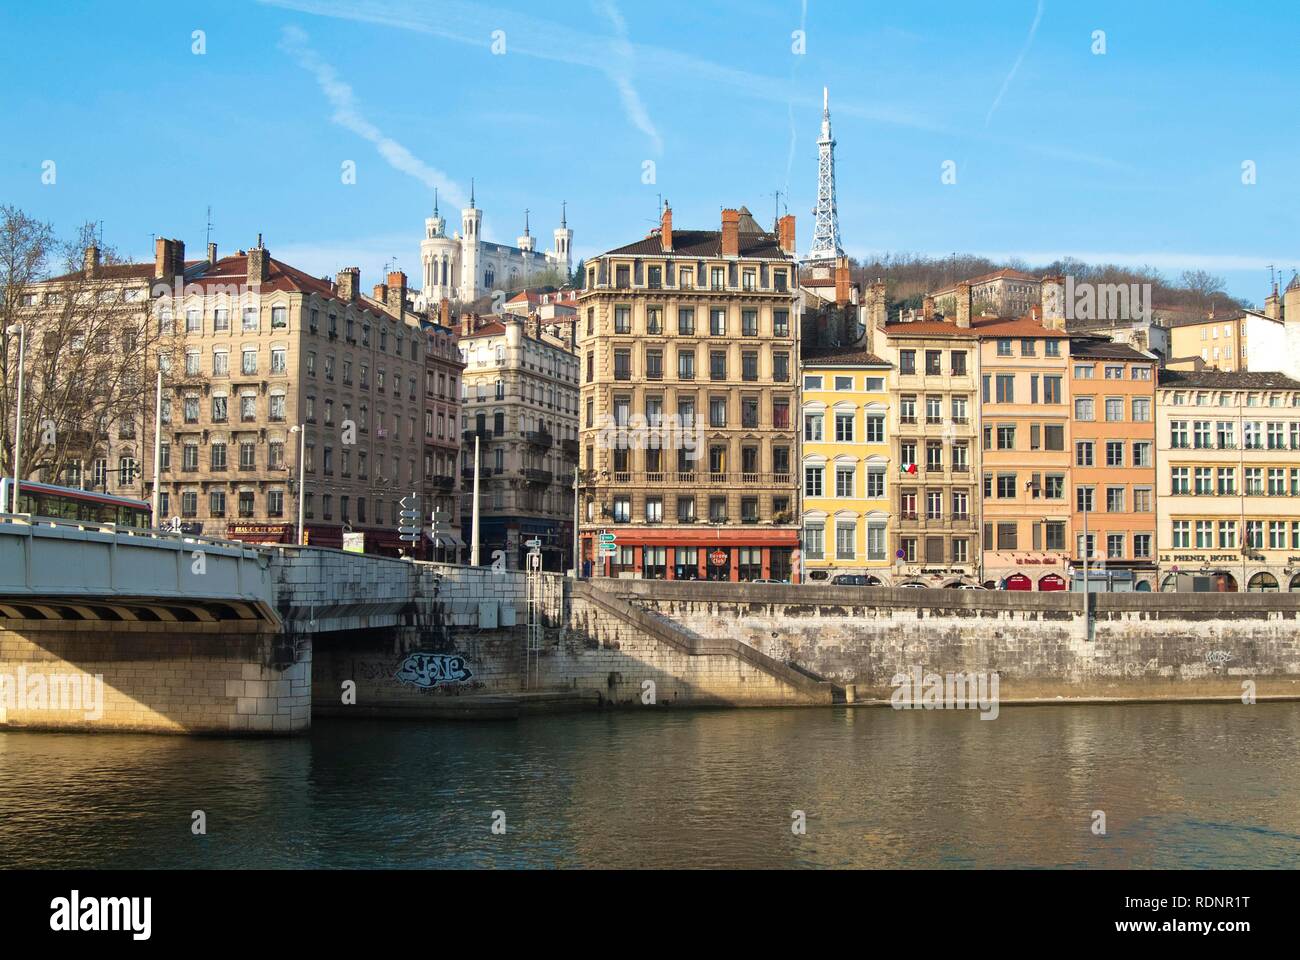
column 471, row 193
column 564, row 214
column 435, row 201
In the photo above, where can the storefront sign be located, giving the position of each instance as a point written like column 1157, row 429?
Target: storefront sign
column 719, row 558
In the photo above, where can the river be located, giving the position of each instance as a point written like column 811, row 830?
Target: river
column 1191, row 785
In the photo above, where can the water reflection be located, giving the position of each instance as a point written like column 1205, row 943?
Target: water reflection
column 1193, row 785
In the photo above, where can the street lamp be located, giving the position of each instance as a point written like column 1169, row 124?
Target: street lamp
column 301, row 430
column 19, row 329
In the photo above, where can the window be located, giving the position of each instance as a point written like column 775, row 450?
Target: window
column 686, row 321
column 812, row 426
column 906, row 361
column 1114, row 453
column 1083, row 408
column 1006, row 486
column 749, row 320
column 1051, row 389
column 622, row 319
column 844, row 428
column 1006, row 437
column 1114, row 409
column 812, row 481
column 1141, row 409
column 1006, row 388
column 1004, row 347
column 1114, row 499
column 1142, row 453
column 1083, row 453
column 718, row 322
column 685, row 364
column 844, row 476
column 814, row 541
column 875, row 428
column 622, row 364
column 717, row 365
column 781, row 318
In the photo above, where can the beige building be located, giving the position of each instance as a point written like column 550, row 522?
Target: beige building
column 520, row 399
column 273, row 348
column 1002, row 293
column 688, row 341
column 1228, row 481
column 934, row 434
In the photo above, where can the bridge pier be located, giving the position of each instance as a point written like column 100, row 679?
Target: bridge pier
column 189, row 678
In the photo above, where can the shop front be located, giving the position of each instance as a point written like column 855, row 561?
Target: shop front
column 735, row 556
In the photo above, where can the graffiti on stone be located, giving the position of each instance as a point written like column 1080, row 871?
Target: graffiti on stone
column 432, row 669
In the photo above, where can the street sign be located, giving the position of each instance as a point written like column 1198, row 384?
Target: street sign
column 409, row 527
column 533, row 544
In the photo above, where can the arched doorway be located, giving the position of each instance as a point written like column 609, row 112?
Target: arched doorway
column 1051, row 581
column 1262, row 583
column 1018, row 581
column 1143, row 586
column 1169, row 584
column 1295, row 584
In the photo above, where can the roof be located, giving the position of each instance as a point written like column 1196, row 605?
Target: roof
column 928, row 328
column 1196, row 321
column 854, row 356
column 707, row 244
column 1228, row 380
column 280, row 277
column 1005, row 327
column 117, row 271
column 1105, row 350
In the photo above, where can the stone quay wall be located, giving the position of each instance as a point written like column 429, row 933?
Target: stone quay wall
column 1134, row 646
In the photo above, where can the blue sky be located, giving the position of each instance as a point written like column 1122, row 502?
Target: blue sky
column 1133, row 156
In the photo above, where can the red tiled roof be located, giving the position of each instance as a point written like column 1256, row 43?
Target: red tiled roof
column 928, row 328
column 1007, row 327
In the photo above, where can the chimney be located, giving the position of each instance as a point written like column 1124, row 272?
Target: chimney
column 444, row 312
column 258, row 262
column 90, row 263
column 927, row 308
column 212, row 253
column 876, row 309
column 1052, row 302
column 963, row 305
column 785, row 233
column 348, row 282
column 381, row 292
column 467, row 325
column 535, row 326
column 396, row 299
column 843, row 281
column 666, row 229
column 169, row 258
column 730, row 233
column 1273, row 305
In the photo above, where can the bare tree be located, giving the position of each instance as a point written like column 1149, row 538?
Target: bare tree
column 95, row 334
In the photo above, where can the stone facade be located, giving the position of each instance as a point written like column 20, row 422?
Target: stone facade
column 196, row 678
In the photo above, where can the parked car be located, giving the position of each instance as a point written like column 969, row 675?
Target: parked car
column 913, row 586
column 766, row 580
column 967, row 586
column 849, row 580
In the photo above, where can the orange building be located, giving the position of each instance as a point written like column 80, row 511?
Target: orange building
column 1113, row 431
column 1025, row 424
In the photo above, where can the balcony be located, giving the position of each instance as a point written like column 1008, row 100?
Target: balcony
column 538, row 438
column 569, row 448
column 532, row 475
column 483, row 433
column 444, row 482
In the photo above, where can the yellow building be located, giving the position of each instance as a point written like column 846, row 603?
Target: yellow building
column 846, row 463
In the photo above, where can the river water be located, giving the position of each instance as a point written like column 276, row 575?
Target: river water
column 1180, row 786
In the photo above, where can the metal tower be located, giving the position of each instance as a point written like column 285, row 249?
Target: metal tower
column 826, row 226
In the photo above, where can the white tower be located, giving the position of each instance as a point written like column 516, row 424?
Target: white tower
column 826, row 225
column 471, row 219
column 527, row 242
column 563, row 241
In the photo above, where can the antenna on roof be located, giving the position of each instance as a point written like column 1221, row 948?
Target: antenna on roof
column 209, row 239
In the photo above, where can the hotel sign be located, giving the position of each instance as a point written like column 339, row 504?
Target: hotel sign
column 1200, row 558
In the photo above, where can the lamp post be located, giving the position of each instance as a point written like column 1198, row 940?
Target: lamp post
column 21, row 330
column 157, row 450
column 301, row 430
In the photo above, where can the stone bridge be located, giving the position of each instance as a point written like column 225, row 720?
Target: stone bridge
column 173, row 633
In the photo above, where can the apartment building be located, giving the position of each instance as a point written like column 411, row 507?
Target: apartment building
column 1112, row 437
column 934, row 439
column 520, row 401
column 1228, row 480
column 847, row 467
column 276, row 351
column 688, row 341
column 1025, row 443
column 443, row 372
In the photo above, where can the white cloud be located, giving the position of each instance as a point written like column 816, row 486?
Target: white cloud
column 347, row 114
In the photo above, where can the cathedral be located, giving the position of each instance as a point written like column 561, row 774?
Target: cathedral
column 465, row 267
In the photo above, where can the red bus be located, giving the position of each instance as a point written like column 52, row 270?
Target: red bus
column 69, row 503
